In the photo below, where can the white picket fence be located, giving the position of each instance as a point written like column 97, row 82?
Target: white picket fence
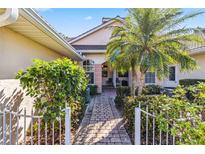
column 149, row 137
column 8, row 133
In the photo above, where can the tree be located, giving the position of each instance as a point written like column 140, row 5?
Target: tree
column 53, row 85
column 152, row 39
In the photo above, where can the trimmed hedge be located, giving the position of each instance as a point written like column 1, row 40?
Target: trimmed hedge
column 151, row 90
column 164, row 106
column 129, row 111
column 93, row 89
column 124, row 91
column 188, row 82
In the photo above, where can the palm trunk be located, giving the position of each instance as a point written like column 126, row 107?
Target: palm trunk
column 134, row 82
column 141, row 82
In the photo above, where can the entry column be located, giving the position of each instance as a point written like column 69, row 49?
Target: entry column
column 98, row 77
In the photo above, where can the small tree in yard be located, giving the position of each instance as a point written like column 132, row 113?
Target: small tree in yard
column 152, row 39
column 54, row 85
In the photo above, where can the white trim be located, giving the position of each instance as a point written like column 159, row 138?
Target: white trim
column 10, row 16
column 91, row 51
column 92, row 71
column 32, row 16
column 137, row 126
column 67, row 126
column 174, row 73
column 167, row 83
column 197, row 50
column 94, row 30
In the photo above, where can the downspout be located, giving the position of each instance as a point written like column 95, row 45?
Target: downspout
column 10, row 16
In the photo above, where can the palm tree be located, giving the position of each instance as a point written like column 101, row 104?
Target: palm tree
column 152, row 39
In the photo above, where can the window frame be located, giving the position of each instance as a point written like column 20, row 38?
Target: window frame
column 104, row 69
column 150, row 78
column 89, row 67
column 171, row 72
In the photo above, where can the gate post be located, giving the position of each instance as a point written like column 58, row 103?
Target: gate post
column 4, row 127
column 67, row 125
column 137, row 126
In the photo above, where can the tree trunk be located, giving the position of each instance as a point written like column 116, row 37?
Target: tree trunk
column 134, row 81
column 141, row 82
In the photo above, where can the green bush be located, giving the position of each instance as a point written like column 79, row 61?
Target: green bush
column 167, row 110
column 93, row 89
column 190, row 86
column 87, row 95
column 188, row 82
column 132, row 102
column 121, row 92
column 54, row 85
column 196, row 94
column 151, row 90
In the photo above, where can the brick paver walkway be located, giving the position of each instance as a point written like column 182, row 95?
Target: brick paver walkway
column 102, row 123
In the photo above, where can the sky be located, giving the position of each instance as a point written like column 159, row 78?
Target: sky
column 74, row 21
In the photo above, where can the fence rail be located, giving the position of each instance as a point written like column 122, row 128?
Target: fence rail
column 9, row 133
column 149, row 136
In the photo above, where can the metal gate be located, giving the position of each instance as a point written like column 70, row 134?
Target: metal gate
column 152, row 134
column 12, row 133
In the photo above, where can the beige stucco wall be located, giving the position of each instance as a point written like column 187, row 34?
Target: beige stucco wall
column 100, row 37
column 98, row 58
column 195, row 74
column 17, row 52
column 13, row 97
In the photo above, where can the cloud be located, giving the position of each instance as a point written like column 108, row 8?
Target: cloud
column 42, row 9
column 88, row 18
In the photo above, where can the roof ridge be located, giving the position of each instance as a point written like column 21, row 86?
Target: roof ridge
column 104, row 23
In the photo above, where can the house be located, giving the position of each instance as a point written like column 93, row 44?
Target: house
column 24, row 36
column 92, row 45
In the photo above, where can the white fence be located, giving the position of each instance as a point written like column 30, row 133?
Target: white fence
column 12, row 133
column 149, row 137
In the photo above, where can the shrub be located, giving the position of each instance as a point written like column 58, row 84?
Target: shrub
column 188, row 82
column 93, row 89
column 151, row 90
column 132, row 102
column 54, row 85
column 196, row 94
column 121, row 92
column 87, row 95
column 180, row 114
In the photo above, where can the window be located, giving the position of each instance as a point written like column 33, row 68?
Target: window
column 104, row 71
column 90, row 77
column 88, row 65
column 150, row 77
column 122, row 74
column 172, row 73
